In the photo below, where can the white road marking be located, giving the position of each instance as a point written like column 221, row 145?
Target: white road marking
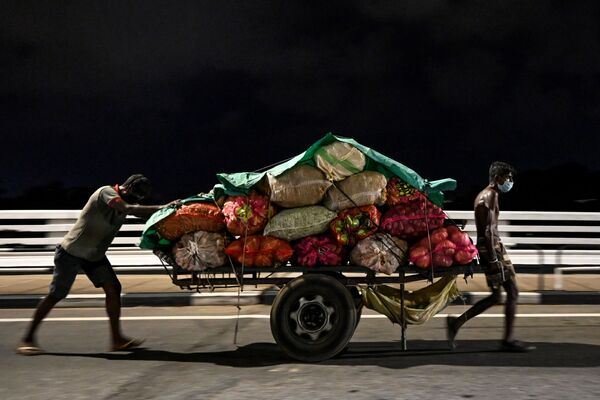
column 265, row 316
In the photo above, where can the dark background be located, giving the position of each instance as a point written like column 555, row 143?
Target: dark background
column 91, row 92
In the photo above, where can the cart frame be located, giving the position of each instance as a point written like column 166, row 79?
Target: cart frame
column 332, row 278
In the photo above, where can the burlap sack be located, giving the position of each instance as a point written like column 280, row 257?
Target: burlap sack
column 380, row 252
column 339, row 160
column 200, row 250
column 300, row 186
column 362, row 189
column 296, row 223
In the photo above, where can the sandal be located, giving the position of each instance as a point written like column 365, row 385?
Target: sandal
column 133, row 343
column 29, row 350
column 516, row 346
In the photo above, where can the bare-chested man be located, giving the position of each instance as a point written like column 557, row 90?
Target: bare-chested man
column 498, row 268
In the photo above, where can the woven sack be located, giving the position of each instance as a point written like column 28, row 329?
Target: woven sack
column 380, row 253
column 300, row 186
column 339, row 160
column 200, row 250
column 362, row 189
column 296, row 223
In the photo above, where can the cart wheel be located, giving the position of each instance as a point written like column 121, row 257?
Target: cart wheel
column 313, row 318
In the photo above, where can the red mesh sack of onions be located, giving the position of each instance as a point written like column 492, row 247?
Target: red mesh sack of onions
column 319, row 250
column 400, row 192
column 247, row 214
column 449, row 246
column 413, row 219
column 260, row 251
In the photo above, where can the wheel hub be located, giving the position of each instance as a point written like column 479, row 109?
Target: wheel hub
column 313, row 317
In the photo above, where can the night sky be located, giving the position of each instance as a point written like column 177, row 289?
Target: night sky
column 91, row 92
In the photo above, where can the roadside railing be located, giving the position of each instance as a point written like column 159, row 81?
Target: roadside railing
column 538, row 242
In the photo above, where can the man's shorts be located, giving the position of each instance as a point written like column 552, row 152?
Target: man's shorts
column 494, row 279
column 66, row 267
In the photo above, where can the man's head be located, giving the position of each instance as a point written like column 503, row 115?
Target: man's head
column 501, row 174
column 135, row 188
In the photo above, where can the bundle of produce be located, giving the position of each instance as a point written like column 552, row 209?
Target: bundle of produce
column 354, row 224
column 191, row 218
column 319, row 250
column 413, row 219
column 296, row 223
column 339, row 160
column 335, row 156
column 200, row 250
column 302, row 185
column 380, row 252
column 247, row 214
column 465, row 250
column 364, row 188
column 449, row 246
column 260, row 251
column 400, row 192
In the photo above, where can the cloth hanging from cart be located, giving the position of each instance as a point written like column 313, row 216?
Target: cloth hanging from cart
column 419, row 306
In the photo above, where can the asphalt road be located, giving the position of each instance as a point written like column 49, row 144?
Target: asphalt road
column 190, row 354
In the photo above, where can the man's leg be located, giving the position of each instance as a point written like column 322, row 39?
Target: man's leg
column 510, row 309
column 42, row 310
column 453, row 324
column 102, row 275
column 65, row 272
column 113, row 309
column 479, row 307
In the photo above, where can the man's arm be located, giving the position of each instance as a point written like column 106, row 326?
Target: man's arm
column 138, row 210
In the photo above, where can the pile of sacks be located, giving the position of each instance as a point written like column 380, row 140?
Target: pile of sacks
column 331, row 213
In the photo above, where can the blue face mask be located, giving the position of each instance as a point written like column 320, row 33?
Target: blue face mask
column 506, row 186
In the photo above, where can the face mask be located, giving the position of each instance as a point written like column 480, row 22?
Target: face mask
column 506, row 186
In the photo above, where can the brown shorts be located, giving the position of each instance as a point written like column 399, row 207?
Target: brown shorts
column 495, row 279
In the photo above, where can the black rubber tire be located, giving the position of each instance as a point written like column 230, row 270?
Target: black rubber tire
column 310, row 298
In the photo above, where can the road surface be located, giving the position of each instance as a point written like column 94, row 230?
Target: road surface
column 190, row 354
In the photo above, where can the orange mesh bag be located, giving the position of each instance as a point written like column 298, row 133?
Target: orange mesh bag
column 191, row 218
column 244, row 251
column 260, row 251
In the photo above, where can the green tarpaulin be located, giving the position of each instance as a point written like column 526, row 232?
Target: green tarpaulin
column 242, row 182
